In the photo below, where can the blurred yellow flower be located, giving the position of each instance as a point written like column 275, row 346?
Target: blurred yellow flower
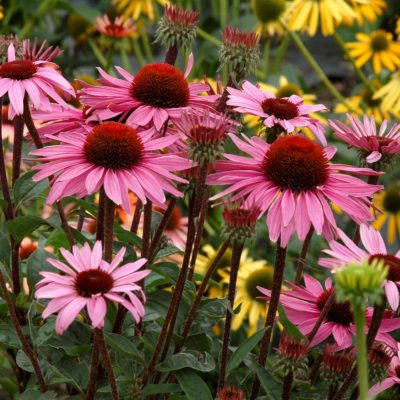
column 203, row 263
column 368, row 9
column 388, row 201
column 134, row 8
column 269, row 14
column 250, row 275
column 378, row 46
column 389, row 94
column 365, row 97
column 1, row 12
column 306, row 15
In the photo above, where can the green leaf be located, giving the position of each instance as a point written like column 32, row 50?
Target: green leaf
column 5, row 251
column 24, row 362
column 195, row 360
column 35, row 264
column 290, row 329
column 122, row 344
column 152, row 389
column 243, row 350
column 25, row 189
column 193, row 386
column 35, row 394
column 21, row 227
column 9, row 337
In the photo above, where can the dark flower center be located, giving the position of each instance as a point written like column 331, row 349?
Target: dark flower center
column 288, row 90
column 379, row 41
column 391, row 201
column 113, row 146
column 161, row 85
column 340, row 313
column 280, row 108
column 390, row 261
column 93, row 281
column 296, row 163
column 18, row 70
column 260, row 277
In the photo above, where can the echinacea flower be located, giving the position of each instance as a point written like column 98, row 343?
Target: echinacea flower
column 374, row 144
column 177, row 227
column 303, row 307
column 375, row 249
column 43, row 53
column 90, row 282
column 288, row 113
column 252, row 273
column 157, row 94
column 293, row 178
column 34, row 78
column 392, row 379
column 114, row 156
column 230, row 393
column 118, row 28
column 62, row 120
column 135, row 8
column 378, row 46
column 388, row 203
column 306, row 15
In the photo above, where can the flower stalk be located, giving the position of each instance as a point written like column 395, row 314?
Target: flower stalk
column 280, row 259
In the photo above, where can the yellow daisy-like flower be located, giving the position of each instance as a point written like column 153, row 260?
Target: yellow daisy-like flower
column 389, row 94
column 250, row 275
column 375, row 106
column 269, row 14
column 388, row 201
column 134, row 8
column 285, row 89
column 203, row 263
column 306, row 15
column 378, row 46
column 368, row 10
column 1, row 12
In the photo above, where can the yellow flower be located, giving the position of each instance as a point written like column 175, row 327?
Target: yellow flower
column 203, row 263
column 306, row 15
column 388, row 201
column 389, row 94
column 134, row 8
column 368, row 9
column 364, row 96
column 1, row 12
column 397, row 28
column 250, row 275
column 269, row 14
column 378, row 46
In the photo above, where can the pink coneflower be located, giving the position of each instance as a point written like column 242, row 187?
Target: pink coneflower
column 293, row 179
column 375, row 249
column 42, row 53
column 393, row 378
column 114, row 156
column 157, row 94
column 117, row 28
column 89, row 281
column 303, row 306
column 287, row 112
column 20, row 77
column 363, row 135
column 62, row 120
column 177, row 227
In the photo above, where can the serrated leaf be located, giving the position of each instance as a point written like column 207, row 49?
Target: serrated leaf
column 9, row 337
column 122, row 344
column 35, row 394
column 23, row 226
column 24, row 362
column 25, row 189
column 35, row 264
column 193, row 386
column 243, row 350
column 195, row 360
